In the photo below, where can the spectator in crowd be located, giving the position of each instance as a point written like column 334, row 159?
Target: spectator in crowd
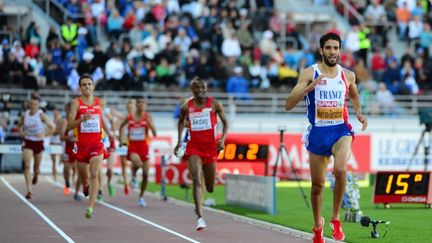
column 403, row 16
column 238, row 85
column 115, row 72
column 378, row 65
column 231, row 46
column 410, row 84
column 415, row 27
column 267, row 46
column 390, row 7
column 385, row 100
column 391, row 77
column 182, row 40
column 374, row 12
column 258, row 75
column 69, row 32
column 352, row 41
column 426, row 39
column 115, row 24
column 364, row 41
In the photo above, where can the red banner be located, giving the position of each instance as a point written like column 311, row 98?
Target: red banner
column 296, row 156
column 178, row 173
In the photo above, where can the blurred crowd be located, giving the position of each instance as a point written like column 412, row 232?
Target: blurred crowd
column 233, row 44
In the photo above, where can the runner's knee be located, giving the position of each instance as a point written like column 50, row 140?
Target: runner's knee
column 317, row 188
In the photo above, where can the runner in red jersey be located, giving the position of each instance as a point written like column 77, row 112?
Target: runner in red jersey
column 124, row 142
column 139, row 123
column 69, row 155
column 86, row 118
column 34, row 125
column 201, row 154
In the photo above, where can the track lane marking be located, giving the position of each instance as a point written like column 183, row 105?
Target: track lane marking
column 127, row 213
column 37, row 211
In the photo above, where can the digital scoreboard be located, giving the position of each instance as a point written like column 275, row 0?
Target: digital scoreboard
column 403, row 187
column 244, row 152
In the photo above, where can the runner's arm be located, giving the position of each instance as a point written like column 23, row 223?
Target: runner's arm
column 21, row 125
column 71, row 121
column 51, row 128
column 124, row 123
column 151, row 124
column 221, row 113
column 303, row 87
column 62, row 130
column 180, row 125
column 355, row 98
column 106, row 128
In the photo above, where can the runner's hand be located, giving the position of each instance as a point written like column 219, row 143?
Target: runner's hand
column 314, row 83
column 220, row 145
column 363, row 121
column 87, row 116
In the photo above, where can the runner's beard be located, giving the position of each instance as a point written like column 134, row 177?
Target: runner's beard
column 330, row 63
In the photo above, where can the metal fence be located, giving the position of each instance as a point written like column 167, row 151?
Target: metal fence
column 159, row 101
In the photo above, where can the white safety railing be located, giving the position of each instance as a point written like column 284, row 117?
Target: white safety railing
column 159, row 101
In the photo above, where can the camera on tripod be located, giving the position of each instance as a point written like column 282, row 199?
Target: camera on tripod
column 425, row 116
column 282, row 128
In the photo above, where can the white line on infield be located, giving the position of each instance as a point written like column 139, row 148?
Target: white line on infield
column 34, row 208
column 58, row 184
column 244, row 219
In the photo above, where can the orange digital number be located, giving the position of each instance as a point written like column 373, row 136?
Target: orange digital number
column 252, row 151
column 402, row 184
column 389, row 184
column 230, row 151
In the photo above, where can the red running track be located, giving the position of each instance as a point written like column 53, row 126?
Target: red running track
column 52, row 217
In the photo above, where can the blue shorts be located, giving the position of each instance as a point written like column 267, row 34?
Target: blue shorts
column 320, row 140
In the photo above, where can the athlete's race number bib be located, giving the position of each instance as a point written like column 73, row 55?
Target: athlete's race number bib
column 200, row 120
column 92, row 125
column 137, row 134
column 31, row 130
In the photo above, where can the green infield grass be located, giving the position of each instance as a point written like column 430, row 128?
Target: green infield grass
column 409, row 222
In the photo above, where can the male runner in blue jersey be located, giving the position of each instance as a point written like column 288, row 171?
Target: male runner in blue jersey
column 325, row 87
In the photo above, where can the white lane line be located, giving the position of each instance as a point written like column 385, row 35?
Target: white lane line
column 147, row 222
column 42, row 215
column 58, row 184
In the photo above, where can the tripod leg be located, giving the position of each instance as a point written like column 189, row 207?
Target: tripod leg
column 279, row 155
column 426, row 146
column 295, row 175
column 420, row 141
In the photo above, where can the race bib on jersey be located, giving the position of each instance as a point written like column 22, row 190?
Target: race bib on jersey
column 137, row 134
column 31, row 130
column 329, row 113
column 200, row 120
column 92, row 125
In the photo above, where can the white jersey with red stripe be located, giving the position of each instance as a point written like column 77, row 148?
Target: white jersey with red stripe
column 33, row 125
column 326, row 104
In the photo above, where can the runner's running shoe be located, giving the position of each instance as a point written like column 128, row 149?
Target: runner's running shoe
column 134, row 183
column 35, row 179
column 89, row 213
column 99, row 197
column 337, row 233
column 111, row 190
column 201, row 224
column 66, row 191
column 77, row 197
column 86, row 190
column 126, row 190
column 142, row 202
column 319, row 233
column 29, row 195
